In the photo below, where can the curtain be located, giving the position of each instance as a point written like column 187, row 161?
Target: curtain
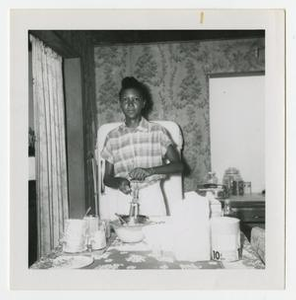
column 51, row 166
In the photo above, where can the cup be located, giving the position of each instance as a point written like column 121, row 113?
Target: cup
column 74, row 239
column 98, row 240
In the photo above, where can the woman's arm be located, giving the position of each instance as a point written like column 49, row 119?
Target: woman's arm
column 115, row 182
column 174, row 166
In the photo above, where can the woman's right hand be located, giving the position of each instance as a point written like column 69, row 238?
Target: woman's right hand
column 124, row 186
column 119, row 183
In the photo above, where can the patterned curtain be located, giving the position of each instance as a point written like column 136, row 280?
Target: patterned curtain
column 51, row 167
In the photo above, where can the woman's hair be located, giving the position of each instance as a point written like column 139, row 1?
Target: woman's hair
column 133, row 83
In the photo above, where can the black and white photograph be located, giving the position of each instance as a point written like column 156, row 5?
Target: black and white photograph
column 147, row 151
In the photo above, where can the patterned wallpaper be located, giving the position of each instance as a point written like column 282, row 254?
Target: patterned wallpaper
column 177, row 75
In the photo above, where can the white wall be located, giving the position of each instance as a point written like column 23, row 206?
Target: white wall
column 237, row 127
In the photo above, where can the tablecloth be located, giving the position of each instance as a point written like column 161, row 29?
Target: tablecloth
column 258, row 241
column 118, row 255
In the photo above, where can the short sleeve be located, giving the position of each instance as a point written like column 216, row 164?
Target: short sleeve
column 165, row 141
column 107, row 151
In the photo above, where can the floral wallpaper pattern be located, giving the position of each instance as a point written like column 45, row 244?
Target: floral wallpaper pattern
column 177, row 76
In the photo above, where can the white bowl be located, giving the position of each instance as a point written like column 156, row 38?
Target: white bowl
column 129, row 233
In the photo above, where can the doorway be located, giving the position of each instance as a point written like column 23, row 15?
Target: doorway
column 237, row 129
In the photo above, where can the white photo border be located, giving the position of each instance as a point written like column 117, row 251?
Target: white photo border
column 273, row 22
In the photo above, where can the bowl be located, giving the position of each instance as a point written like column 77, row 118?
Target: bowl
column 129, row 233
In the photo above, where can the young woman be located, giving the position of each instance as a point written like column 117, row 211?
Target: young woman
column 137, row 150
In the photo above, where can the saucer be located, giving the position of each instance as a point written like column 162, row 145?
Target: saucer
column 71, row 262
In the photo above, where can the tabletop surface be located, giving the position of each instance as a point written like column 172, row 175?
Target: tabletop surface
column 119, row 255
column 248, row 197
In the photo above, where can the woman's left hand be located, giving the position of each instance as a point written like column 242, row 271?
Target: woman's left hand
column 139, row 174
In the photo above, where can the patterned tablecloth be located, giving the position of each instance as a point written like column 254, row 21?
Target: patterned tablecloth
column 258, row 241
column 118, row 255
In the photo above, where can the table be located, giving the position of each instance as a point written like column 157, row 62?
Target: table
column 118, row 255
column 250, row 209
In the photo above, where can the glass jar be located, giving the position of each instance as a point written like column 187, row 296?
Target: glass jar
column 211, row 178
column 227, row 208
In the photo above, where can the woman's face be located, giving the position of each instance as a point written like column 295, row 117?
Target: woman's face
column 131, row 103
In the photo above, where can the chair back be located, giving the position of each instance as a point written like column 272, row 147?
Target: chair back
column 172, row 186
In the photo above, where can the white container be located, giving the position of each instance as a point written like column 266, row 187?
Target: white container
column 215, row 205
column 75, row 227
column 92, row 225
column 129, row 234
column 215, row 209
column 98, row 240
column 74, row 239
column 190, row 229
column 225, row 239
column 192, row 244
